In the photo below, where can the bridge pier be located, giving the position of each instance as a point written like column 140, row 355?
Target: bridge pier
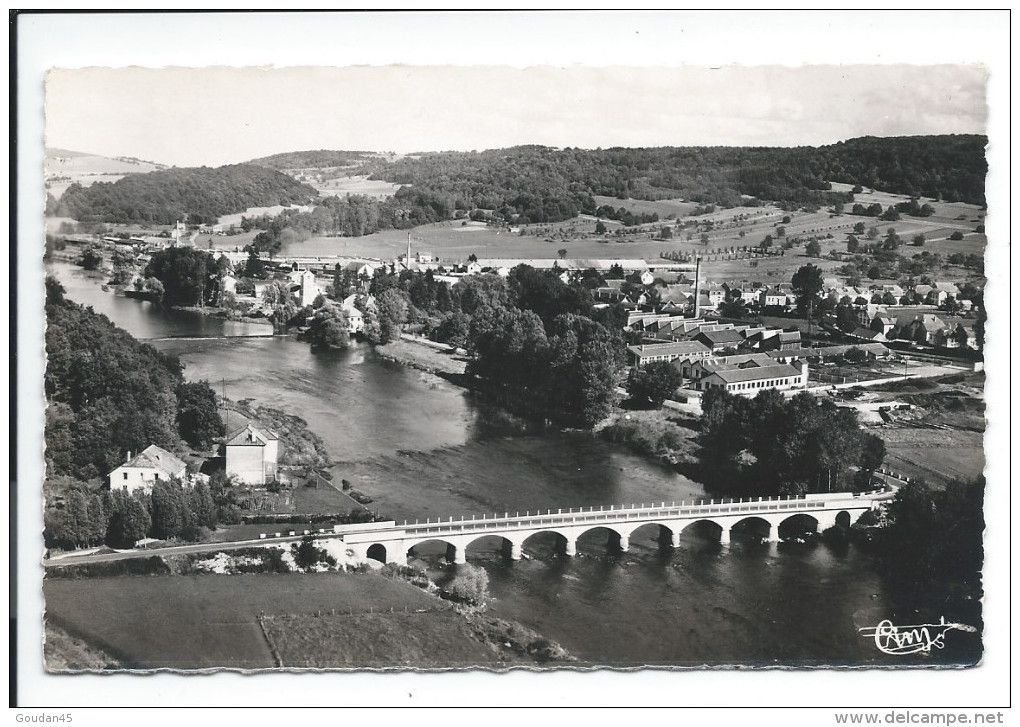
column 675, row 540
column 455, row 554
column 513, row 551
column 570, row 548
column 724, row 535
column 624, row 543
column 666, row 538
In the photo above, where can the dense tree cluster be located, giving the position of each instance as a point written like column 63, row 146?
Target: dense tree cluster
column 189, row 276
column 108, row 394
column 653, row 383
column 934, row 537
column 199, row 194
column 86, row 517
column 535, row 341
column 329, row 328
column 772, row 445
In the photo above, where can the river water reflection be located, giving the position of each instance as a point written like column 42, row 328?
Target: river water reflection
column 422, row 447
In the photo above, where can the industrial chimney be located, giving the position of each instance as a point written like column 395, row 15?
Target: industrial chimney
column 697, row 287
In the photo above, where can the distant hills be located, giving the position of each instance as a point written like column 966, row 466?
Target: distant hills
column 197, row 194
column 536, row 184
column 317, row 159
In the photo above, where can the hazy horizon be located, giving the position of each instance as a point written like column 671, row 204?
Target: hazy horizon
column 225, row 115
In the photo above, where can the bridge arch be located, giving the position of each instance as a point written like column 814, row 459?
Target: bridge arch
column 664, row 535
column 550, row 540
column 755, row 527
column 414, row 548
column 505, row 544
column 376, row 551
column 704, row 529
column 617, row 539
column 798, row 526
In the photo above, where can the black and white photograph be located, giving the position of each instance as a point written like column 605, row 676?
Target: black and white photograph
column 359, row 367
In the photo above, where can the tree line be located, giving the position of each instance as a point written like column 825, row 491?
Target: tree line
column 198, row 195
column 536, row 184
column 119, row 518
column 772, row 445
column 932, row 543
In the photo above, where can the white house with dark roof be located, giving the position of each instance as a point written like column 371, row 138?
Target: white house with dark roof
column 147, row 468
column 747, row 374
column 251, row 455
column 360, row 269
column 749, row 381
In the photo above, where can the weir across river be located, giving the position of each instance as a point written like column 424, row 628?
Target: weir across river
column 390, row 542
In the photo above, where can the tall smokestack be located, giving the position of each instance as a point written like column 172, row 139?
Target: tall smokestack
column 697, row 287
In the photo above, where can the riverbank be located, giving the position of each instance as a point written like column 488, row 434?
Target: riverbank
column 421, row 355
column 230, row 315
column 299, row 446
column 669, row 438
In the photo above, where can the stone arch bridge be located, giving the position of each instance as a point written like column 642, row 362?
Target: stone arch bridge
column 390, row 543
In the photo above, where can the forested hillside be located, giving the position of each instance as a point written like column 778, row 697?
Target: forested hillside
column 536, row 184
column 200, row 194
column 542, row 184
column 108, row 394
column 318, row 159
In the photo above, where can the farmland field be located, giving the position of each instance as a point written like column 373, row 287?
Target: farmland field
column 341, row 186
column 663, row 207
column 376, row 640
column 200, row 622
column 66, row 168
column 937, row 455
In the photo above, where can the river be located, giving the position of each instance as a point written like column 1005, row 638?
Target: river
column 422, row 447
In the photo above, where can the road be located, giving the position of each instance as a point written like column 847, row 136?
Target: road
column 191, row 548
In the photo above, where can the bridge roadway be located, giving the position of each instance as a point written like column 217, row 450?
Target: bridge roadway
column 391, row 543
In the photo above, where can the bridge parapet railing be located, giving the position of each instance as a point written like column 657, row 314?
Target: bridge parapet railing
column 625, row 513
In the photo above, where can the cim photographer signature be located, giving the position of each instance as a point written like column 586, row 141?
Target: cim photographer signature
column 913, row 639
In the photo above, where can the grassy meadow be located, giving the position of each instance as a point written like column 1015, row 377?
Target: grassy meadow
column 208, row 621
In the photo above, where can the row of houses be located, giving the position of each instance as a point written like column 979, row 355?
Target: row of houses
column 919, row 327
column 892, row 294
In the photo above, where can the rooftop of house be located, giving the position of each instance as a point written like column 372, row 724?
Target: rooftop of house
column 157, row 458
column 861, row 332
column 740, row 360
column 721, row 337
column 930, row 321
column 669, row 349
column 757, row 373
column 251, row 435
column 827, row 351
